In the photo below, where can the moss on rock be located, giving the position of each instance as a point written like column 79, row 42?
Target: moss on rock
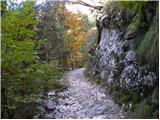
column 142, row 110
column 138, row 23
column 147, row 48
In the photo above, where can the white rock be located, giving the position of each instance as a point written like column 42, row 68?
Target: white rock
column 51, row 93
column 50, row 105
column 99, row 117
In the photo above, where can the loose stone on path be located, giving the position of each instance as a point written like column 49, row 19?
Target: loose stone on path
column 84, row 100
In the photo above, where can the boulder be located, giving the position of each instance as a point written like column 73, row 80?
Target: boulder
column 49, row 104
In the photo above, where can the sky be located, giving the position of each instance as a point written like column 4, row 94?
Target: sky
column 82, row 8
column 75, row 7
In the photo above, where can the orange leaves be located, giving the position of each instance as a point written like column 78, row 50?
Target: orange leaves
column 72, row 20
column 70, row 15
column 74, row 24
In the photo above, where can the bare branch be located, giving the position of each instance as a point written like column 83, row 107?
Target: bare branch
column 84, row 3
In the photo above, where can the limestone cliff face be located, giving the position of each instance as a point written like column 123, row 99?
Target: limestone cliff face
column 116, row 59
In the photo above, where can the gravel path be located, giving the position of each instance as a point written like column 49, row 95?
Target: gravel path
column 85, row 100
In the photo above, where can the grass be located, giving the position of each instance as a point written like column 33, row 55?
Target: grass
column 147, row 49
column 142, row 110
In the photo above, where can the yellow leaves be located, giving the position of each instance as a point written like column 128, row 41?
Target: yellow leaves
column 75, row 25
column 69, row 61
column 75, row 59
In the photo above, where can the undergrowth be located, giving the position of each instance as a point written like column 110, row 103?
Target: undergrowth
column 147, row 50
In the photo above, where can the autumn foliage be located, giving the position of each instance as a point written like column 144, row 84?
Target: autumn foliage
column 75, row 37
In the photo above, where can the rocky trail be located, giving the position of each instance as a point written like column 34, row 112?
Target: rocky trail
column 83, row 99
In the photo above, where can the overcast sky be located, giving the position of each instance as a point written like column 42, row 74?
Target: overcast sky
column 76, row 7
column 81, row 8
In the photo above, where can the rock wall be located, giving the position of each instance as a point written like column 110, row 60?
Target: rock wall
column 115, row 59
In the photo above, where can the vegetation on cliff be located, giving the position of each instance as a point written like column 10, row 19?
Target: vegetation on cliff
column 137, row 23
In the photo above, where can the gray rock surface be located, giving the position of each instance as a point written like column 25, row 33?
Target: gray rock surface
column 51, row 93
column 49, row 104
column 115, row 61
